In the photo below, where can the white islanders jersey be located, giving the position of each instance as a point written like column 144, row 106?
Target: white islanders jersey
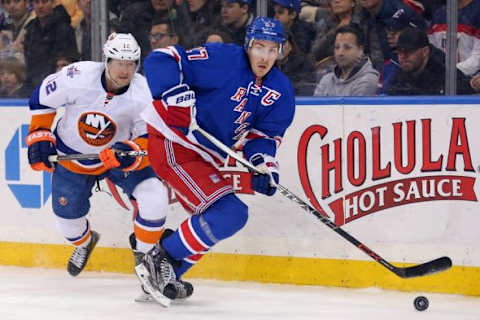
column 93, row 119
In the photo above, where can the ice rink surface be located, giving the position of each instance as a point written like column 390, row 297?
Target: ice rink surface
column 31, row 293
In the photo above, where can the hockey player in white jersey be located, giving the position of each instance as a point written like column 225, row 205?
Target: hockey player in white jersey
column 102, row 104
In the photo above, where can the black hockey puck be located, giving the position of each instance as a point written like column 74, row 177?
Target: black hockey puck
column 420, row 303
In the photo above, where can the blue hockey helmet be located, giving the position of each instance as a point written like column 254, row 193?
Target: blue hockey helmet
column 263, row 28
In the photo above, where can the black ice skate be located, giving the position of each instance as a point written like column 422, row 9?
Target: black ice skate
column 155, row 272
column 137, row 255
column 144, row 296
column 178, row 290
column 80, row 255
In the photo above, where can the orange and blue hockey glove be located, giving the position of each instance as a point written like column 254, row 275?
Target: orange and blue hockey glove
column 112, row 157
column 41, row 145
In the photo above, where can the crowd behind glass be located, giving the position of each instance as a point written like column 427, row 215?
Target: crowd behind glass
column 333, row 47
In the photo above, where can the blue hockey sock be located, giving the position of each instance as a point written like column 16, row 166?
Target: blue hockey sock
column 180, row 270
column 200, row 232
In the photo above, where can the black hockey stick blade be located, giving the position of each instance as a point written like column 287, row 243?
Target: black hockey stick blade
column 424, row 269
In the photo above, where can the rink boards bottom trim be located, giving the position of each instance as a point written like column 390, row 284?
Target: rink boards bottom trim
column 288, row 270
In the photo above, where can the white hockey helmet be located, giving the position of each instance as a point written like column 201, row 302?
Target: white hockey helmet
column 121, row 46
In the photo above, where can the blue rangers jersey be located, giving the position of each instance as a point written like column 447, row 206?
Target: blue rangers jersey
column 231, row 103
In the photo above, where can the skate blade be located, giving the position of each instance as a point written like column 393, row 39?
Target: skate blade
column 144, row 298
column 143, row 275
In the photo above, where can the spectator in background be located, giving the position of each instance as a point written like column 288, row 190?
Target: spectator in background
column 204, row 14
column 73, row 10
column 236, row 16
column 468, row 34
column 114, row 26
column 64, row 60
column 417, row 6
column 310, row 9
column 373, row 16
column 394, row 27
column 213, row 35
column 137, row 18
column 18, row 17
column 117, row 7
column 45, row 36
column 339, row 13
column 3, row 18
column 83, row 32
column 475, row 83
column 422, row 67
column 298, row 67
column 162, row 34
column 354, row 74
column 12, row 73
column 431, row 6
column 287, row 11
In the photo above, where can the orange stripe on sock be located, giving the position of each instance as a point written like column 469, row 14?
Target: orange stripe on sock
column 147, row 236
column 82, row 240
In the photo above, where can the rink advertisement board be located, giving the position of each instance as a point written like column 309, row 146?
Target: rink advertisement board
column 398, row 174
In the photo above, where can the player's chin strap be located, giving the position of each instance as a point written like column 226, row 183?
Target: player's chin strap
column 93, row 156
column 437, row 265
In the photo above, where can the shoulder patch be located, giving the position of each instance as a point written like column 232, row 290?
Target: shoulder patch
column 72, row 71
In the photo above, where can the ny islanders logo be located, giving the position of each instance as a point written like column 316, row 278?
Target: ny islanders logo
column 96, row 128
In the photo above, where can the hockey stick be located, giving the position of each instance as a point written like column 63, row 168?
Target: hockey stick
column 419, row 270
column 93, row 156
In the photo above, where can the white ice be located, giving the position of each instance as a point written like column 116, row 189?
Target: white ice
column 33, row 293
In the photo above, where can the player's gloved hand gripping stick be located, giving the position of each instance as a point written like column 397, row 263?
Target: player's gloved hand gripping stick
column 266, row 182
column 437, row 265
column 111, row 157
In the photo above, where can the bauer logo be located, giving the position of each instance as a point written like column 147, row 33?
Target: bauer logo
column 395, row 164
column 28, row 195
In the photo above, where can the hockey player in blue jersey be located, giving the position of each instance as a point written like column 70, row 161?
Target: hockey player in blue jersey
column 238, row 95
